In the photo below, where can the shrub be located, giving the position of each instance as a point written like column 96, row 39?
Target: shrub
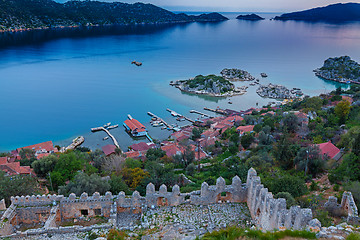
column 115, row 234
column 323, row 217
column 286, row 183
column 290, row 200
column 353, row 236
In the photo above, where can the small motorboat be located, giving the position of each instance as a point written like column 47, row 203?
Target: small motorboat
column 105, row 138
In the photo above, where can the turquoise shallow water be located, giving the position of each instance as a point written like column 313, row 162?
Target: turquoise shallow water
column 55, row 85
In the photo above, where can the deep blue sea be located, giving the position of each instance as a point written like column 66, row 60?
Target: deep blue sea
column 57, row 84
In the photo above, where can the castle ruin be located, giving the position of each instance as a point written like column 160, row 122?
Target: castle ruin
column 48, row 212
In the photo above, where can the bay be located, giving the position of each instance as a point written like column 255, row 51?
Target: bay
column 57, row 84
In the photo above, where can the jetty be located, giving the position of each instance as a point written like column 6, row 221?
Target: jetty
column 161, row 120
column 200, row 113
column 175, row 114
column 108, row 133
column 217, row 110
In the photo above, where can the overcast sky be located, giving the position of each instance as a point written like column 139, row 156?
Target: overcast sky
column 237, row 5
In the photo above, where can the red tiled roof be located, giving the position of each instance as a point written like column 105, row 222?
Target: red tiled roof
column 108, row 149
column 134, row 124
column 234, row 119
column 243, row 129
column 3, row 160
column 14, row 168
column 328, row 148
column 133, row 154
column 171, row 149
column 47, row 146
column 142, row 146
column 210, row 133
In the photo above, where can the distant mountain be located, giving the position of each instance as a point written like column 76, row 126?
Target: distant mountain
column 33, row 14
column 332, row 13
column 251, row 17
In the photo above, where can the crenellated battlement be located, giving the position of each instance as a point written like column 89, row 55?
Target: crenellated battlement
column 267, row 212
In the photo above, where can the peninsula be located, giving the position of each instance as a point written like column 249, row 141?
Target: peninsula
column 21, row 15
column 250, row 17
column 210, row 85
column 332, row 13
column 340, row 69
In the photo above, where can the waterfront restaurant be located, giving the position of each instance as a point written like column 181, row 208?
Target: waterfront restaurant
column 135, row 128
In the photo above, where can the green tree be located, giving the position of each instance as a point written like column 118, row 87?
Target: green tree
column 44, row 165
column 18, row 185
column 160, row 174
column 154, row 154
column 246, row 140
column 290, row 200
column 196, row 133
column 117, row 184
column 310, row 160
column 27, row 156
column 342, row 110
column 291, row 123
column 284, row 152
column 283, row 182
column 349, row 169
column 85, row 183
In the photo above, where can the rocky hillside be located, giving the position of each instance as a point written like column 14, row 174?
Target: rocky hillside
column 332, row 13
column 30, row 14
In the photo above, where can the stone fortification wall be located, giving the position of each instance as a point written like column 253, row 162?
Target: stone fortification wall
column 269, row 213
column 236, row 192
column 95, row 205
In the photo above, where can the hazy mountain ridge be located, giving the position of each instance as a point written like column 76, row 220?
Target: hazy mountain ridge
column 30, row 14
column 332, row 13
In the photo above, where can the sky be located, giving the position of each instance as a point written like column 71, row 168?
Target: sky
column 237, row 5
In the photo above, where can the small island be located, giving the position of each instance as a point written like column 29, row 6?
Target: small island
column 278, row 92
column 340, row 69
column 235, row 74
column 250, row 17
column 210, row 85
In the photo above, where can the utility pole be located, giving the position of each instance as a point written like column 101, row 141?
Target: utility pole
column 307, row 162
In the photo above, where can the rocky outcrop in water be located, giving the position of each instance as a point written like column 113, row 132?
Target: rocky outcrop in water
column 235, row 74
column 339, row 69
column 278, row 92
column 250, row 17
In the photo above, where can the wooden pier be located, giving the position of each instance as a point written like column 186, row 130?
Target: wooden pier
column 200, row 113
column 108, row 133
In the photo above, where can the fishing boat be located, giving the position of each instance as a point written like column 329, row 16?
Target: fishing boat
column 264, row 75
column 105, row 138
column 229, row 102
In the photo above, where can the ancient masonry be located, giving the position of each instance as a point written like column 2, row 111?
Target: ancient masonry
column 48, row 212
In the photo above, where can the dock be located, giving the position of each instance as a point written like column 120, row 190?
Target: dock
column 161, row 120
column 175, row 114
column 218, row 110
column 108, row 133
column 200, row 113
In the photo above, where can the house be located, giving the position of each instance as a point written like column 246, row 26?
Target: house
column 41, row 150
column 108, row 149
column 330, row 150
column 135, row 128
column 14, row 168
column 136, row 154
column 234, row 119
column 171, row 149
column 211, row 133
column 244, row 129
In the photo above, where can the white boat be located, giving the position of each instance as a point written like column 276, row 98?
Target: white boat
column 105, row 138
column 107, row 125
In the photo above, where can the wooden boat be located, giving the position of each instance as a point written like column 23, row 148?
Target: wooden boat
column 263, row 75
column 136, row 63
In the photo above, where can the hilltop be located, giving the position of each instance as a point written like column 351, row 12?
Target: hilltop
column 331, row 13
column 40, row 14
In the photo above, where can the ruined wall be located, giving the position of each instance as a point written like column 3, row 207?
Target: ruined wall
column 163, row 197
column 347, row 208
column 96, row 205
column 32, row 215
column 269, row 213
column 236, row 192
